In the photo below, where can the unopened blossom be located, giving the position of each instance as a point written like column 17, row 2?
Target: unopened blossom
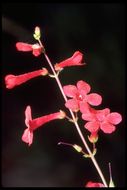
column 25, row 47
column 12, row 80
column 75, row 60
column 94, row 184
column 80, row 93
column 37, row 33
column 33, row 124
column 101, row 119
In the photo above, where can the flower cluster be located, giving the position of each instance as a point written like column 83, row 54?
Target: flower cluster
column 12, row 81
column 78, row 98
column 82, row 100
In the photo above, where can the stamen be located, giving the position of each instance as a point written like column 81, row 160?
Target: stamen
column 68, row 144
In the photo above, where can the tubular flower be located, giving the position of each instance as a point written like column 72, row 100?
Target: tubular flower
column 33, row 124
column 75, row 60
column 101, row 119
column 11, row 80
column 79, row 94
column 35, row 48
column 94, row 184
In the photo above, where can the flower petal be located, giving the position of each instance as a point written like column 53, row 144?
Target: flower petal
column 10, row 81
column 93, row 184
column 27, row 136
column 84, row 107
column 70, row 91
column 72, row 104
column 23, row 46
column 88, row 117
column 92, row 126
column 107, row 127
column 77, row 58
column 82, row 85
column 114, row 118
column 102, row 114
column 94, row 99
column 28, row 116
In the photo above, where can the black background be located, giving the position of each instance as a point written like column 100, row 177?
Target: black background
column 98, row 31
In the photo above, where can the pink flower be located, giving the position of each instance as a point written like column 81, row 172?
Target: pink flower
column 33, row 124
column 94, row 184
column 35, row 48
column 101, row 119
column 11, row 80
column 75, row 60
column 79, row 94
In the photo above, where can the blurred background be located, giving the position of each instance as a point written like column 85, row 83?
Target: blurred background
column 98, row 31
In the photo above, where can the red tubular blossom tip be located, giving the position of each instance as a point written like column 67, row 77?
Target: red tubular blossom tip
column 94, row 184
column 75, row 60
column 11, row 80
column 33, row 124
column 25, row 47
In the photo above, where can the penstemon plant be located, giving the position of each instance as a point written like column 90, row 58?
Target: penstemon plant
column 78, row 98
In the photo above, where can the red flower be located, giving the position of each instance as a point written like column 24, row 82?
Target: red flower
column 33, row 124
column 79, row 94
column 75, row 60
column 11, row 80
column 94, row 184
column 35, row 48
column 101, row 119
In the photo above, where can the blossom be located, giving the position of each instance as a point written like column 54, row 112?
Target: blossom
column 75, row 60
column 35, row 48
column 101, row 119
column 94, row 184
column 79, row 94
column 33, row 124
column 12, row 80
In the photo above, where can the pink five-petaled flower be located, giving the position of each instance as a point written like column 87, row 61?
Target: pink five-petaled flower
column 33, row 124
column 101, row 119
column 11, row 80
column 35, row 48
column 79, row 94
column 75, row 60
column 94, row 184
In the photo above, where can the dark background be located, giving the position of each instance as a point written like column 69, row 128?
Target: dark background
column 98, row 31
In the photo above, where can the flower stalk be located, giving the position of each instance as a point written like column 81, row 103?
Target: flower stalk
column 75, row 121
